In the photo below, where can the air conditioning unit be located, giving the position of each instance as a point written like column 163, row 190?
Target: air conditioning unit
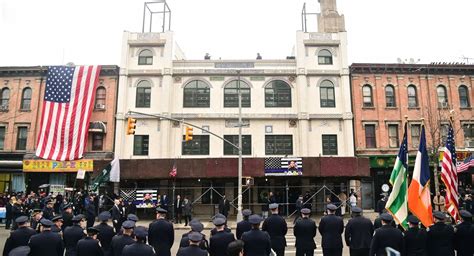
column 3, row 108
column 99, row 106
column 469, row 143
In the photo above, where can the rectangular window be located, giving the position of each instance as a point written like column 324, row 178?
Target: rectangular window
column 97, row 141
column 444, row 134
column 325, row 60
column 21, row 138
column 468, row 130
column 3, row 130
column 140, row 145
column 393, row 135
column 370, row 141
column 278, row 144
column 415, row 135
column 329, row 144
column 246, row 145
column 145, row 60
column 199, row 145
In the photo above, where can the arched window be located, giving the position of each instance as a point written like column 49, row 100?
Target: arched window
column 442, row 96
column 326, row 94
column 464, row 97
column 197, row 94
column 390, row 96
column 278, row 94
column 367, row 96
column 5, row 98
column 231, row 94
column 143, row 94
column 100, row 97
column 145, row 57
column 26, row 99
column 412, row 97
column 325, row 57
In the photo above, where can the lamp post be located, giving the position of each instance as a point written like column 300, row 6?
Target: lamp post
column 239, row 198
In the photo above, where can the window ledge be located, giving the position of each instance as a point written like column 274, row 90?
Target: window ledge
column 25, row 110
column 368, row 108
column 4, row 110
column 99, row 109
column 391, row 108
column 465, row 108
column 413, row 108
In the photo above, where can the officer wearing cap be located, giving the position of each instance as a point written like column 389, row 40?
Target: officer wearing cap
column 20, row 251
column 193, row 249
column 277, row 228
column 161, row 233
column 73, row 234
column 48, row 211
column 331, row 228
column 244, row 225
column 305, row 231
column 120, row 241
column 386, row 236
column 196, row 226
column 36, row 216
column 20, row 236
column 47, row 242
column 106, row 232
column 464, row 236
column 358, row 233
column 67, row 216
column 218, row 243
column 236, row 248
column 58, row 222
column 89, row 245
column 139, row 247
column 131, row 217
column 415, row 238
column 256, row 242
column 226, row 229
column 440, row 237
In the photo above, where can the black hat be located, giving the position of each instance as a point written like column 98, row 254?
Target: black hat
column 57, row 218
column 356, row 209
column 273, row 206
column 140, row 232
column 132, row 217
column 196, row 226
column 161, row 210
column 218, row 221
column 413, row 219
column 195, row 236
column 20, row 251
column 104, row 216
column 439, row 215
column 255, row 219
column 128, row 224
column 332, row 207
column 46, row 222
column 219, row 215
column 92, row 231
column 21, row 219
column 465, row 214
column 37, row 210
column 246, row 212
column 78, row 218
column 68, row 205
column 305, row 211
column 386, row 217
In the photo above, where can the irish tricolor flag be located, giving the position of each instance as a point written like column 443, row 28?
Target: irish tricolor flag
column 397, row 201
column 419, row 200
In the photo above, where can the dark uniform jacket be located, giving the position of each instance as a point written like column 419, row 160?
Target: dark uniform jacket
column 89, row 247
column 192, row 250
column 464, row 239
column 67, row 220
column 386, row 236
column 106, row 233
column 305, row 231
column 214, row 230
column 46, row 243
column 256, row 243
column 161, row 236
column 56, row 229
column 71, row 236
column 242, row 227
column 118, row 243
column 48, row 213
column 19, row 237
column 138, row 249
column 219, row 242
column 415, row 242
column 276, row 227
column 359, row 232
column 440, row 240
column 331, row 228
column 117, row 214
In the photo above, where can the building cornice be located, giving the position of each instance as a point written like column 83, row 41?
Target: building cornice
column 420, row 69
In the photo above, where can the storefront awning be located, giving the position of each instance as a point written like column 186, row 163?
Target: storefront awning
column 11, row 166
column 97, row 127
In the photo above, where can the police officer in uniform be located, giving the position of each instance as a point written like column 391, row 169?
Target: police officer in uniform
column 226, row 229
column 386, row 236
column 161, row 233
column 358, row 233
column 73, row 234
column 244, row 225
column 89, row 245
column 139, row 248
column 120, row 241
column 464, row 235
column 276, row 227
column 36, row 216
column 256, row 242
column 20, row 236
column 106, row 232
column 58, row 223
column 67, row 216
column 196, row 226
column 440, row 237
column 48, row 211
column 415, row 238
column 219, row 242
column 47, row 242
column 305, row 231
column 193, row 248
column 331, row 228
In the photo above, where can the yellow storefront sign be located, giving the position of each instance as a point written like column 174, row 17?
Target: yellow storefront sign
column 58, row 166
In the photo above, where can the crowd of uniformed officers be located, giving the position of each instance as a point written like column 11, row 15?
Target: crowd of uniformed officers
column 58, row 237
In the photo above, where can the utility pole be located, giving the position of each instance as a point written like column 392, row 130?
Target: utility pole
column 239, row 199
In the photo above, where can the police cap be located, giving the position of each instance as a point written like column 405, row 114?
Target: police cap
column 439, row 215
column 128, row 224
column 196, row 226
column 104, row 216
column 332, row 207
column 273, row 206
column 305, row 211
column 219, row 215
column 140, row 232
column 92, row 231
column 218, row 221
column 78, row 218
column 46, row 222
column 386, row 217
column 20, row 251
column 413, row 219
column 132, row 217
column 69, row 205
column 246, row 212
column 465, row 214
column 21, row 219
column 356, row 209
column 255, row 219
column 195, row 236
column 161, row 210
column 57, row 218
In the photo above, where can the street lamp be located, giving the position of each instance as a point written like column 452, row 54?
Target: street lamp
column 239, row 198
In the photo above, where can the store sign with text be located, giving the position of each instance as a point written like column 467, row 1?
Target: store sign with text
column 58, row 166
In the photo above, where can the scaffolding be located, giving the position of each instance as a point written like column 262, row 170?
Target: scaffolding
column 158, row 7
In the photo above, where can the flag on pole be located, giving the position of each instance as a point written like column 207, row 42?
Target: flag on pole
column 466, row 164
column 397, row 203
column 419, row 198
column 449, row 175
column 174, row 170
column 109, row 173
column 67, row 106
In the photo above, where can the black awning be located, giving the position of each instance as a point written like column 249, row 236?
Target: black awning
column 98, row 127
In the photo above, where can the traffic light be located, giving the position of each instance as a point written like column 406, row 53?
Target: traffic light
column 131, row 124
column 189, row 134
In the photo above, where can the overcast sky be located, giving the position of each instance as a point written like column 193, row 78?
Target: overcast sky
column 47, row 32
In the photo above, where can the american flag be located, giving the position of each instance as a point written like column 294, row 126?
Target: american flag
column 174, row 171
column 449, row 175
column 67, row 106
column 464, row 166
column 276, row 166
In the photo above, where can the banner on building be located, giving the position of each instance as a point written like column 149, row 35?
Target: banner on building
column 285, row 166
column 58, row 166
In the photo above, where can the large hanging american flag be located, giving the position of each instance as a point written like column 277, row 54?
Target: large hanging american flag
column 67, row 106
column 449, row 175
